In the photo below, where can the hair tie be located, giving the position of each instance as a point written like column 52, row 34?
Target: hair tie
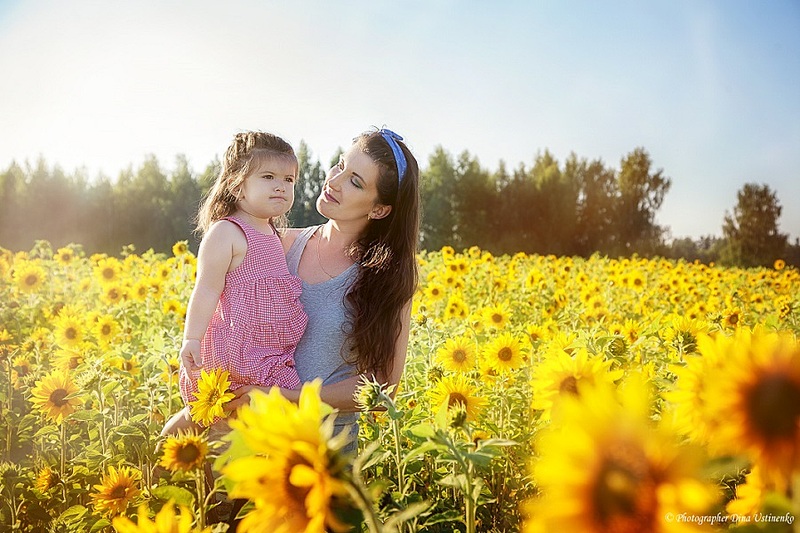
column 399, row 158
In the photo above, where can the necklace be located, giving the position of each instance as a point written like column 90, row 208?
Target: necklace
column 319, row 259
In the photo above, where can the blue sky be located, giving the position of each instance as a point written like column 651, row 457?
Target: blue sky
column 710, row 88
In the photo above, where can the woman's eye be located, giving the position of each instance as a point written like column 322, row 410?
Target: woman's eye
column 356, row 184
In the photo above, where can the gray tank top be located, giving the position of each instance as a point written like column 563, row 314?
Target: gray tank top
column 319, row 352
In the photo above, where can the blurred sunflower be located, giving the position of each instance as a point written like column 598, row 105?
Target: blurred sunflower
column 504, row 353
column 294, row 475
column 53, row 396
column 212, row 395
column 166, row 521
column 457, row 389
column 779, row 264
column 29, row 277
column 21, row 368
column 129, row 367
column 604, row 466
column 184, row 452
column 755, row 398
column 117, row 490
column 173, row 306
column 69, row 359
column 689, row 395
column 108, row 270
column 113, row 293
column 180, row 248
column 457, row 354
column 749, row 495
column 140, row 290
column 64, row 256
column 496, row 316
column 69, row 330
column 681, row 336
column 434, row 292
column 105, row 329
column 456, row 308
column 561, row 374
column 46, row 479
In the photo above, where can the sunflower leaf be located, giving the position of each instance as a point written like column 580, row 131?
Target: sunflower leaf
column 180, row 495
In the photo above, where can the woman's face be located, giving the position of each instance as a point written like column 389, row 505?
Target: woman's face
column 350, row 191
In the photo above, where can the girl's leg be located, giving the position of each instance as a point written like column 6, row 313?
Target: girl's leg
column 180, row 422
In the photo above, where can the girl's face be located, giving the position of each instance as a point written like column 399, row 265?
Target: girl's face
column 350, row 191
column 268, row 191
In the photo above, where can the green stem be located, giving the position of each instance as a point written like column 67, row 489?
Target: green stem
column 398, row 458
column 200, row 484
column 63, row 465
column 363, row 502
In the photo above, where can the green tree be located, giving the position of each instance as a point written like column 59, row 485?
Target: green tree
column 751, row 232
column 641, row 193
column 437, row 192
column 310, row 177
column 596, row 207
column 474, row 204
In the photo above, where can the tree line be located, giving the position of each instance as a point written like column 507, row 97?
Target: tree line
column 577, row 208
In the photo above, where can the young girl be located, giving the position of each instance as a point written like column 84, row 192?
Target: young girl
column 244, row 315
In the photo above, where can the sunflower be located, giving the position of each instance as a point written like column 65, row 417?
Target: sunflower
column 166, row 521
column 457, row 354
column 457, row 389
column 749, row 495
column 605, row 466
column 105, row 329
column 294, row 475
column 21, row 368
column 212, row 395
column 29, row 277
column 180, row 248
column 108, row 270
column 681, row 336
column 456, row 308
column 173, row 306
column 64, row 256
column 562, row 374
column 140, row 290
column 116, row 491
column 755, row 398
column 184, row 452
column 46, row 479
column 779, row 264
column 53, row 394
column 68, row 359
column 113, row 293
column 69, row 330
column 129, row 367
column 504, row 353
column 689, row 396
column 496, row 316
column 434, row 292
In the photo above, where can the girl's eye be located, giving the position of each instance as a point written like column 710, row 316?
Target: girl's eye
column 268, row 176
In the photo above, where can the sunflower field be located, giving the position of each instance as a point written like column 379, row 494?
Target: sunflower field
column 540, row 394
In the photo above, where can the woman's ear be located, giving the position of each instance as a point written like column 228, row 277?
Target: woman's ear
column 379, row 211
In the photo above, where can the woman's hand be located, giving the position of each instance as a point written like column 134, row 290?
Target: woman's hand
column 242, row 397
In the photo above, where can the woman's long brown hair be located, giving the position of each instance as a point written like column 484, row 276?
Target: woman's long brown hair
column 386, row 253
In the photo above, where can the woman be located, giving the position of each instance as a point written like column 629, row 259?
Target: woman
column 359, row 273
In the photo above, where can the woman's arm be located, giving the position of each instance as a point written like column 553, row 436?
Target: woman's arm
column 340, row 395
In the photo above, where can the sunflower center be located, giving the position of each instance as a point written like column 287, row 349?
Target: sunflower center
column 497, row 318
column 118, row 492
column 296, row 494
column 625, row 493
column 505, row 354
column 108, row 273
column 456, row 398
column 733, row 319
column 31, row 280
column 188, row 453
column 71, row 333
column 105, row 330
column 57, row 397
column 569, row 385
column 459, row 355
column 774, row 406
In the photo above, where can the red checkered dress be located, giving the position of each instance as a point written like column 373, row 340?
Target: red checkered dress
column 258, row 322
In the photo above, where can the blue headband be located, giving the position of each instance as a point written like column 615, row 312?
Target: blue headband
column 391, row 139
